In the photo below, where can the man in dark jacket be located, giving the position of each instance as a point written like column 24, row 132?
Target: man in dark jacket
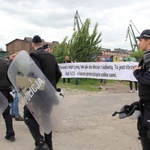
column 5, row 89
column 142, row 74
column 67, row 60
column 47, row 48
column 48, row 65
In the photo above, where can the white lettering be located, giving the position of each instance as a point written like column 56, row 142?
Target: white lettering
column 33, row 89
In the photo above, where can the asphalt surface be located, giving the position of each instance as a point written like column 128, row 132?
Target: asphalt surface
column 89, row 124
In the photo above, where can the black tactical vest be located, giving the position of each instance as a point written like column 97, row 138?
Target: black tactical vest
column 4, row 82
column 144, row 89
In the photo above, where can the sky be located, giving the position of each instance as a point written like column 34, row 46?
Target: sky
column 53, row 20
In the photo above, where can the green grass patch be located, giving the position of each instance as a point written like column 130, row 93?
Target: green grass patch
column 84, row 84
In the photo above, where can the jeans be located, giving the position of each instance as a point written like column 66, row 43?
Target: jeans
column 15, row 105
column 77, row 81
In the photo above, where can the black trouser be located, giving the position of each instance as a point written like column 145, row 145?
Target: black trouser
column 35, row 129
column 7, row 117
column 64, row 79
column 144, row 127
column 136, row 86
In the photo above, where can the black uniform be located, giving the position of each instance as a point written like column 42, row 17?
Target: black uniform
column 143, row 77
column 5, row 89
column 48, row 65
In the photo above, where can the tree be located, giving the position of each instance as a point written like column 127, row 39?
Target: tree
column 83, row 46
column 137, row 54
column 61, row 51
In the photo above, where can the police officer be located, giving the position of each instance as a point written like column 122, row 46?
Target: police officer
column 47, row 48
column 5, row 89
column 48, row 65
column 142, row 74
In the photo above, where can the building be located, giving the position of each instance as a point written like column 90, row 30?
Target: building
column 26, row 44
column 18, row 45
column 118, row 54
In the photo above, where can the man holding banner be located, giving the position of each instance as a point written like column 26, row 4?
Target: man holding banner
column 48, row 65
column 142, row 74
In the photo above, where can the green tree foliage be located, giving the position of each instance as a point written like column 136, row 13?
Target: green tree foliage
column 83, row 46
column 137, row 54
column 61, row 51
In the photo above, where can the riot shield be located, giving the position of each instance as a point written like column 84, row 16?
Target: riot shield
column 41, row 98
column 3, row 103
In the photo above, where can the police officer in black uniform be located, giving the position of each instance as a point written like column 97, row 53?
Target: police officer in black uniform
column 5, row 89
column 142, row 74
column 48, row 65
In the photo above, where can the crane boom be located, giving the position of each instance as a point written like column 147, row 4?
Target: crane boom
column 77, row 21
column 131, row 35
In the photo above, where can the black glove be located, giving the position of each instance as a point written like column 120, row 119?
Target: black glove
column 60, row 92
column 136, row 105
column 129, row 109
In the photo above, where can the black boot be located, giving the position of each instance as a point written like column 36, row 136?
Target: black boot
column 145, row 143
column 48, row 140
column 39, row 140
column 42, row 146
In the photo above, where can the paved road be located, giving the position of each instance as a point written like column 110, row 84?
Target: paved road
column 88, row 126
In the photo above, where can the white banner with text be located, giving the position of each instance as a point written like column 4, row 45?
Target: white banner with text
column 99, row 70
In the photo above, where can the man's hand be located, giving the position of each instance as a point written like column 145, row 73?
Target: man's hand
column 136, row 68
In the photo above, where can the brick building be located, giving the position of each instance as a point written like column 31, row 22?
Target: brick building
column 26, row 44
column 107, row 54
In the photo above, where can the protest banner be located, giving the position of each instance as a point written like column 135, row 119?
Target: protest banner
column 99, row 70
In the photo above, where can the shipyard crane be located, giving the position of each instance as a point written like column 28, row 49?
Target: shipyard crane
column 77, row 21
column 131, row 35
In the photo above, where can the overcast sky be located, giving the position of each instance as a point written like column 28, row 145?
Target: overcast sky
column 53, row 20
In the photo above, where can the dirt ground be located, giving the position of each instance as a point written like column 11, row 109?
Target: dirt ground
column 89, row 124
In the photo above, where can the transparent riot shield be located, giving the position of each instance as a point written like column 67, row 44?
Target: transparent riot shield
column 3, row 103
column 41, row 98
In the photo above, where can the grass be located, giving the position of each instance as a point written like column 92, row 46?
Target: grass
column 84, row 84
